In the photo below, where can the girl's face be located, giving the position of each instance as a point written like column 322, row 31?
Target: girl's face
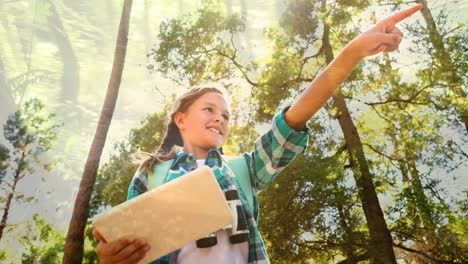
column 205, row 124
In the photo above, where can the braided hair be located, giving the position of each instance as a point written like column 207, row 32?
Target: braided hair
column 172, row 137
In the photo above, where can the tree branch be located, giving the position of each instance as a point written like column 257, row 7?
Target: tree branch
column 238, row 66
column 409, row 100
column 386, row 156
column 7, row 183
column 321, row 244
column 424, row 254
column 383, row 154
column 306, row 59
column 460, row 150
column 397, row 100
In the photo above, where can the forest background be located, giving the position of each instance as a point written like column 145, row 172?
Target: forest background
column 408, row 107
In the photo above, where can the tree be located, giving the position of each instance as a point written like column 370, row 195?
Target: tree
column 44, row 244
column 405, row 123
column 405, row 128
column 313, row 189
column 37, row 251
column 73, row 252
column 30, row 132
column 382, row 246
column 447, row 66
column 414, row 132
column 445, row 58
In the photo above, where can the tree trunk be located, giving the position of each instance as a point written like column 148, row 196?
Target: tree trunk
column 443, row 56
column 5, row 213
column 71, row 71
column 381, row 248
column 408, row 191
column 349, row 240
column 422, row 205
column 73, row 252
column 6, row 210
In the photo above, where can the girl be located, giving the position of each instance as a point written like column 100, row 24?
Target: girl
column 199, row 123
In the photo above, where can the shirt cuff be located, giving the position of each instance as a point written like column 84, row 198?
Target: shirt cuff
column 296, row 140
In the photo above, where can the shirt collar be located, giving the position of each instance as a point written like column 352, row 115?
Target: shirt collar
column 188, row 161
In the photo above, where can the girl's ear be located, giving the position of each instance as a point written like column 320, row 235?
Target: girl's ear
column 179, row 119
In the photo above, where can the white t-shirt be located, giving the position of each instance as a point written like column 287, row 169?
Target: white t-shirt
column 224, row 252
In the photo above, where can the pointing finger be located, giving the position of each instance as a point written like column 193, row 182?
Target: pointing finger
column 403, row 14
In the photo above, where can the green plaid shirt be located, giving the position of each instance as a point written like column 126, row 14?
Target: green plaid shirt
column 273, row 151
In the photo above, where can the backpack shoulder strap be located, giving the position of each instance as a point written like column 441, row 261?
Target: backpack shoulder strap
column 239, row 166
column 158, row 177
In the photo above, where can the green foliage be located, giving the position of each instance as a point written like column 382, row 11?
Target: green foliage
column 325, row 223
column 42, row 243
column 3, row 254
column 405, row 138
column 456, row 44
column 190, row 49
column 30, row 132
column 90, row 256
column 240, row 140
column 279, row 76
column 298, row 19
column 4, row 156
column 442, row 66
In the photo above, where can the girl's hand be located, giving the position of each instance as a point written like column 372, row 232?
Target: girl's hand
column 122, row 251
column 383, row 36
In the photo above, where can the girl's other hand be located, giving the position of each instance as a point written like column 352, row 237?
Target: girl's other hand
column 123, row 251
column 383, row 36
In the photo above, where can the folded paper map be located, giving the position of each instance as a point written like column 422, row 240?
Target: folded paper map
column 169, row 216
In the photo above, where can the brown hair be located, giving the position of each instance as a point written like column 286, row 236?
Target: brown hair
column 172, row 136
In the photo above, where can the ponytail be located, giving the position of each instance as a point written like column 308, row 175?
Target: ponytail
column 164, row 151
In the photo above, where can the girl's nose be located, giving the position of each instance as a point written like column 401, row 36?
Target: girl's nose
column 219, row 119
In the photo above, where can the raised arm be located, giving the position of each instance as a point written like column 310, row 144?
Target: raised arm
column 382, row 37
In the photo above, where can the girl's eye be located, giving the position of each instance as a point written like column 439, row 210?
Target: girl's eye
column 210, row 109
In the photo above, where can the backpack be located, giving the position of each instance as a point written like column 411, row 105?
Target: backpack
column 237, row 164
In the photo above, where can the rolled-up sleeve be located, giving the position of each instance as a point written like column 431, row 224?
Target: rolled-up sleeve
column 138, row 185
column 274, row 150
